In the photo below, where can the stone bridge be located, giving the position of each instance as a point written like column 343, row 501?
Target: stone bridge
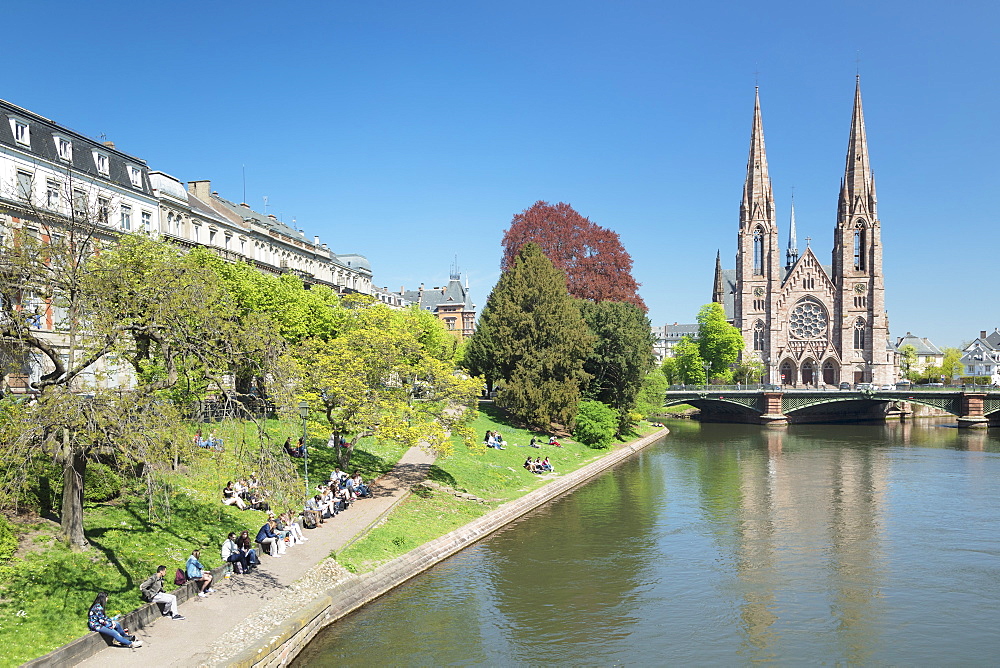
column 975, row 409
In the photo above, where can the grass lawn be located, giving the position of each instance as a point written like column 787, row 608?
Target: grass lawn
column 495, row 475
column 46, row 589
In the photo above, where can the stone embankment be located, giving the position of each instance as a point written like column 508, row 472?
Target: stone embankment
column 282, row 643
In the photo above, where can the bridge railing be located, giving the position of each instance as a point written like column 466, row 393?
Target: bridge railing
column 758, row 387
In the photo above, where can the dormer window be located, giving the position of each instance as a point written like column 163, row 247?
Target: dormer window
column 135, row 176
column 22, row 133
column 103, row 163
column 64, row 148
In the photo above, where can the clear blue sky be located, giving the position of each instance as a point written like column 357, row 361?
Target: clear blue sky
column 411, row 132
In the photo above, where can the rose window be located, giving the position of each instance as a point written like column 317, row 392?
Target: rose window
column 808, row 321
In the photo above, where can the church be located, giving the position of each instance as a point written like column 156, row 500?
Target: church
column 811, row 324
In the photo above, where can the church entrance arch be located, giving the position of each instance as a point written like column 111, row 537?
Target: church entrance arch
column 859, row 374
column 808, row 372
column 787, row 371
column 830, row 372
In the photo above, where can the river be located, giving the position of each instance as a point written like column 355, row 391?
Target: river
column 724, row 545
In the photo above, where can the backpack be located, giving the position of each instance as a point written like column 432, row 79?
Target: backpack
column 180, row 577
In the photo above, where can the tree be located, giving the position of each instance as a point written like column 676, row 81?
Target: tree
column 907, row 361
column 596, row 424
column 749, row 370
column 532, row 338
column 650, row 399
column 951, row 367
column 670, row 372
column 690, row 366
column 376, row 378
column 621, row 357
column 596, row 264
column 719, row 343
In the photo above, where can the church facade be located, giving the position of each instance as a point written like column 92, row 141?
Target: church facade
column 811, row 324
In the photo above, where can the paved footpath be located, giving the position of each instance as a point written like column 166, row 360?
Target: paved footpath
column 188, row 642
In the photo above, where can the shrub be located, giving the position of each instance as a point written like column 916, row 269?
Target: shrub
column 8, row 540
column 101, row 483
column 596, row 424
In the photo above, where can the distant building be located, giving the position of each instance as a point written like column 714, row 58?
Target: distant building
column 451, row 303
column 982, row 356
column 668, row 336
column 927, row 353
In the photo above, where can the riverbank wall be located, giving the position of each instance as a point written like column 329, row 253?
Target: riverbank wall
column 283, row 643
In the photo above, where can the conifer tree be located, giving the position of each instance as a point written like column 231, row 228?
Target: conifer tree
column 532, row 337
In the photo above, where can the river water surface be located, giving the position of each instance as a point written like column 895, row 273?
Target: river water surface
column 723, row 545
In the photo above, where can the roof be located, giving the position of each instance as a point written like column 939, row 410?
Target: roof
column 923, row 346
column 454, row 293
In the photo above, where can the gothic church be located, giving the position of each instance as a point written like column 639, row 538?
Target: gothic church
column 811, row 324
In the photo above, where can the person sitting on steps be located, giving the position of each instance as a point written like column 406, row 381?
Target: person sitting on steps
column 232, row 554
column 269, row 539
column 196, row 571
column 152, row 591
column 98, row 620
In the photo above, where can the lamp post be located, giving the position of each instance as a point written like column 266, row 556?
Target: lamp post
column 304, row 414
column 707, row 366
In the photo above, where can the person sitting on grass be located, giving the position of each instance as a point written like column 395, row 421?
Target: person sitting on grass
column 535, row 443
column 269, row 539
column 196, row 571
column 98, row 620
column 152, row 591
column 553, row 441
column 232, row 554
column 547, row 466
column 529, row 465
column 231, row 498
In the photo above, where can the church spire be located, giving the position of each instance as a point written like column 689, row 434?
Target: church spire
column 717, row 294
column 858, row 190
column 758, row 203
column 792, row 254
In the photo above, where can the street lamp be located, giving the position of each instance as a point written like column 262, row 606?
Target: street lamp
column 304, row 414
column 707, row 366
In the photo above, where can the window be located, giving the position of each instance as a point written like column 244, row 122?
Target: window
column 102, row 163
column 196, row 234
column 79, row 203
column 211, row 236
column 135, row 176
column 860, row 246
column 147, row 221
column 758, row 251
column 859, row 334
column 126, row 218
column 24, row 186
column 103, row 207
column 758, row 335
column 64, row 148
column 22, row 133
column 52, row 194
column 808, row 320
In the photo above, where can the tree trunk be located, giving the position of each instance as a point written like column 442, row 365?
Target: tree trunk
column 74, row 464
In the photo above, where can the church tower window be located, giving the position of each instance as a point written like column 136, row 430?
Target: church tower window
column 758, row 252
column 758, row 335
column 860, row 246
column 859, row 334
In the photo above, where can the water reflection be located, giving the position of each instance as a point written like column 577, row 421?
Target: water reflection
column 726, row 544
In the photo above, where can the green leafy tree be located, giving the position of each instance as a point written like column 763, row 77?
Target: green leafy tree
column 690, row 366
column 719, row 343
column 748, row 371
column 377, row 378
column 621, row 357
column 596, row 424
column 532, row 338
column 951, row 367
column 669, row 370
column 908, row 361
column 650, row 399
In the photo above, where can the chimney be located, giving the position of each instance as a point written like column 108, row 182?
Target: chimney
column 982, row 334
column 272, row 217
column 109, row 144
column 316, row 240
column 200, row 189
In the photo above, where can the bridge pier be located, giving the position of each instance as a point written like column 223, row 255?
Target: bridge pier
column 773, row 415
column 972, row 416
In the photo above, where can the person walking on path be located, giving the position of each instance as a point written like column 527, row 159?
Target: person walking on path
column 152, row 591
column 98, row 620
column 196, row 571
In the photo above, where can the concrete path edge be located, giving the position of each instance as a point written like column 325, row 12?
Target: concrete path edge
column 280, row 646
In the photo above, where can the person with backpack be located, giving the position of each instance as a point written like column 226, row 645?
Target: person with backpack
column 98, row 620
column 152, row 591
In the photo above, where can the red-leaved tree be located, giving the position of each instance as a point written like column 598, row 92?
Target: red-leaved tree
column 597, row 266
